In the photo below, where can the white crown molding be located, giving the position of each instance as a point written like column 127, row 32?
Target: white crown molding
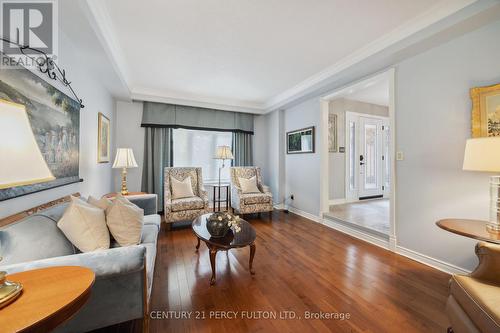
column 196, row 100
column 100, row 21
column 433, row 15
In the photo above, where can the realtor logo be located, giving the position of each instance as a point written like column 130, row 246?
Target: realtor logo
column 29, row 23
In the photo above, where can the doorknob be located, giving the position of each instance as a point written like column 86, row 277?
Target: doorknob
column 361, row 159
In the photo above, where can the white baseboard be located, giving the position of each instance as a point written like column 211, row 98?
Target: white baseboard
column 341, row 201
column 307, row 215
column 429, row 261
column 383, row 243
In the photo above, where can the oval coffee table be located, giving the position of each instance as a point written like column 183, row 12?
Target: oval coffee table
column 246, row 237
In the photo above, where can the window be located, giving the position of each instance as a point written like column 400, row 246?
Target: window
column 194, row 148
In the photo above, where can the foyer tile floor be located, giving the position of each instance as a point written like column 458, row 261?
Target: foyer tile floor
column 372, row 214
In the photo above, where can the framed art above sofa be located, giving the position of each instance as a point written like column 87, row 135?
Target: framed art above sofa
column 54, row 118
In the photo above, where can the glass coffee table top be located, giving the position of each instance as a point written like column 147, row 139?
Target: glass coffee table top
column 232, row 240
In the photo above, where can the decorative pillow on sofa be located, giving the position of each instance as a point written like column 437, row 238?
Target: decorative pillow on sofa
column 85, row 226
column 125, row 222
column 249, row 185
column 103, row 203
column 181, row 189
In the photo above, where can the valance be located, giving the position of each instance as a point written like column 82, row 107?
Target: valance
column 190, row 117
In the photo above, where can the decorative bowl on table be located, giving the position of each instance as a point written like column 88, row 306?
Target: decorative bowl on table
column 219, row 224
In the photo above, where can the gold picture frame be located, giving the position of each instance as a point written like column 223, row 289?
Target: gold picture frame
column 103, row 129
column 485, row 111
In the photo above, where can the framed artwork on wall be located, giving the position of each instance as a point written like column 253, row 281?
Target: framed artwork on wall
column 485, row 111
column 332, row 133
column 300, row 141
column 54, row 120
column 103, row 139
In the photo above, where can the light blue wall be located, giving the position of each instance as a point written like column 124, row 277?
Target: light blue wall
column 302, row 175
column 433, row 111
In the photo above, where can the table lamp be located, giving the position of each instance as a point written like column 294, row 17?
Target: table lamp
column 124, row 159
column 483, row 154
column 24, row 165
column 223, row 153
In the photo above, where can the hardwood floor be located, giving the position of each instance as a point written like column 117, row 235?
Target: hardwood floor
column 300, row 266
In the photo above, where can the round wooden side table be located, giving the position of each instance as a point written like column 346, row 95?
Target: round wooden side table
column 50, row 297
column 475, row 229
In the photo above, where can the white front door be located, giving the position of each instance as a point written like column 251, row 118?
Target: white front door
column 370, row 157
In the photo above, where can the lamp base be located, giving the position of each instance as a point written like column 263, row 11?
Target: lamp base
column 9, row 290
column 124, row 190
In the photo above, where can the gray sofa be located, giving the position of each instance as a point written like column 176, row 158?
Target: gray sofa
column 122, row 274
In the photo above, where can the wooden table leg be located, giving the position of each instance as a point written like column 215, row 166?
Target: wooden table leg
column 252, row 254
column 213, row 254
column 197, row 245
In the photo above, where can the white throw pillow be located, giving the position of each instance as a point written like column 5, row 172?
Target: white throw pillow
column 125, row 223
column 85, row 226
column 249, row 185
column 181, row 189
column 124, row 200
column 103, row 203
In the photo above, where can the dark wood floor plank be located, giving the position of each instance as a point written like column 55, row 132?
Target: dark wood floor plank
column 301, row 266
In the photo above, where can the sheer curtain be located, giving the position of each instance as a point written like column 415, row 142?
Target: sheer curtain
column 195, row 148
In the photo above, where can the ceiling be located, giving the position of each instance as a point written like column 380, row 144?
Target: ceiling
column 245, row 55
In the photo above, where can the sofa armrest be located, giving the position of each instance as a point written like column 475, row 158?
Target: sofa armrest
column 104, row 263
column 489, row 262
column 148, row 202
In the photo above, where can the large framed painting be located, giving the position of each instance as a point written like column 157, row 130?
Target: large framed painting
column 102, row 139
column 300, row 141
column 485, row 111
column 55, row 121
column 332, row 133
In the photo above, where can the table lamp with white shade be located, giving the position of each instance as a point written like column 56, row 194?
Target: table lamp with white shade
column 483, row 154
column 124, row 159
column 223, row 153
column 23, row 165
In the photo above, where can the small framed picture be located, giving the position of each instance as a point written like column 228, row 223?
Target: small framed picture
column 485, row 111
column 300, row 141
column 332, row 133
column 103, row 139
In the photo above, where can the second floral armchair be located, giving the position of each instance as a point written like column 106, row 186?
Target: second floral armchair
column 247, row 203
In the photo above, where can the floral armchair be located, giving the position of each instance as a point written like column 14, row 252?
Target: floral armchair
column 184, row 208
column 247, row 203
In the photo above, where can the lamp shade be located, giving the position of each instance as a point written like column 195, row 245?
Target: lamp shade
column 22, row 160
column 224, row 153
column 482, row 154
column 124, row 159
